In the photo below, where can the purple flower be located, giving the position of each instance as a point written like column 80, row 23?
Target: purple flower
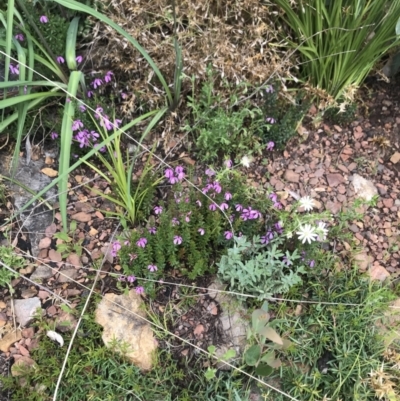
column 303, row 255
column 238, row 207
column 287, row 261
column 175, row 222
column 108, row 76
column 198, row 203
column 117, row 122
column 158, row 209
column 127, row 242
column 169, row 173
column 83, row 137
column 132, row 257
column 76, row 125
column 179, row 172
column 273, row 197
column 116, row 246
column 152, row 230
column 43, row 19
column 19, row 37
column 53, row 135
column 131, row 279
column 121, row 278
column 269, row 89
column 312, row 263
column 60, row 60
column 14, row 69
column 89, row 93
column 228, row 196
column 141, row 242
column 79, row 60
column 82, row 107
column 106, row 123
column 217, row 187
column 223, row 206
column 278, row 228
column 201, row 231
column 270, row 145
column 152, row 268
column 139, row 290
column 278, row 205
column 228, row 234
column 187, row 218
column 177, row 240
column 212, row 207
column 210, row 172
column 228, row 163
column 270, row 120
column 96, row 83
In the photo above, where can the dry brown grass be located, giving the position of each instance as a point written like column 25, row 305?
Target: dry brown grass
column 237, row 37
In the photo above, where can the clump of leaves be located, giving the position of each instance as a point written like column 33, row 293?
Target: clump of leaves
column 11, row 259
column 262, row 354
column 283, row 116
column 188, row 232
column 342, row 116
column 336, row 346
column 222, row 128
column 251, row 267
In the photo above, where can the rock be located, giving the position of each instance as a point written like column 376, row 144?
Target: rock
column 25, row 309
column 378, row 272
column 363, row 188
column 65, row 322
column 388, row 202
column 44, row 243
column 234, row 326
column 74, row 260
column 335, row 179
column 82, row 217
column 127, row 328
column 55, row 256
column 362, row 260
column 21, row 365
column 333, row 207
column 42, row 272
column 291, row 176
column 9, row 339
column 67, row 275
column 395, row 158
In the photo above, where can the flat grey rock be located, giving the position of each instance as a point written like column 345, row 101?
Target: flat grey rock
column 42, row 272
column 25, row 309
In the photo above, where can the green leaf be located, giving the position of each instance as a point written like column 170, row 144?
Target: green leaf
column 231, row 353
column 271, row 334
column 263, row 370
column 259, row 318
column 265, row 306
column 252, row 355
column 271, row 360
column 398, row 27
column 211, row 349
column 210, row 373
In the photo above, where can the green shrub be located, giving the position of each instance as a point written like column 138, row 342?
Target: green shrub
column 339, row 41
column 219, row 127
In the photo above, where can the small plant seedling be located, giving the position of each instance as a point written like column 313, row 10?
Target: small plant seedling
column 262, row 355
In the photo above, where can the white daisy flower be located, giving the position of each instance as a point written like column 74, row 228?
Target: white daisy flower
column 307, row 203
column 307, row 233
column 245, row 161
column 322, row 231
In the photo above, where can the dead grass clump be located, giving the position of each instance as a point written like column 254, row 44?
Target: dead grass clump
column 236, row 36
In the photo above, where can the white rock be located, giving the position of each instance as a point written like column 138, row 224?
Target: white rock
column 363, row 188
column 25, row 309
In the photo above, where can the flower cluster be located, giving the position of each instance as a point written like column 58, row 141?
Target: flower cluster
column 174, row 176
